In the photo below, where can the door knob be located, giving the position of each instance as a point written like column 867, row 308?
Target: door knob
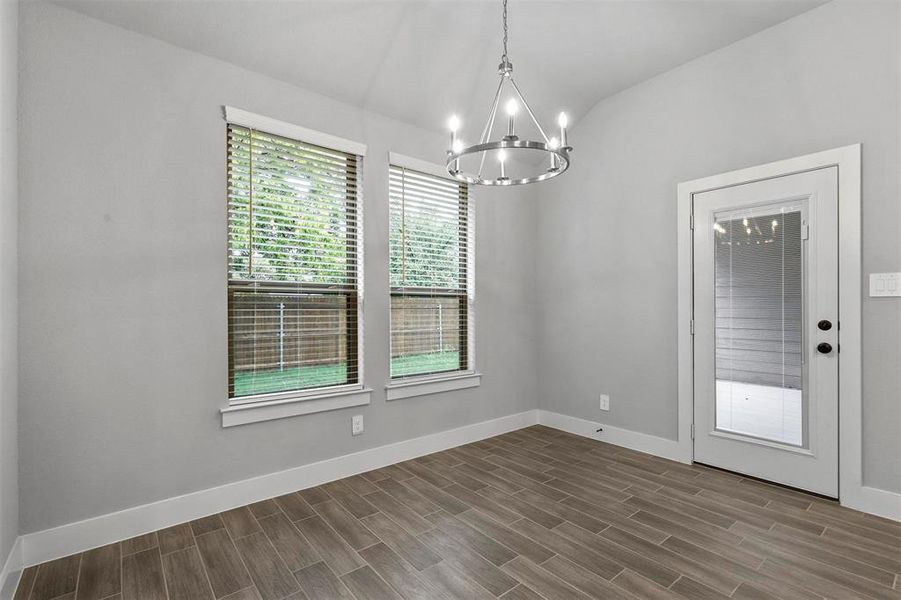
column 824, row 347
column 824, row 325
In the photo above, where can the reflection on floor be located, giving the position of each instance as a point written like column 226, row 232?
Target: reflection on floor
column 771, row 413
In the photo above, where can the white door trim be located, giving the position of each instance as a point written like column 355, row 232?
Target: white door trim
column 852, row 492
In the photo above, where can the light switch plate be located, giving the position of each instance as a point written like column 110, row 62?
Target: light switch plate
column 885, row 285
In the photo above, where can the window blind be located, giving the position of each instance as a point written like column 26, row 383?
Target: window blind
column 292, row 265
column 430, row 274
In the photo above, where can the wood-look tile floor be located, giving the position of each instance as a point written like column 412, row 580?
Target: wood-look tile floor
column 529, row 515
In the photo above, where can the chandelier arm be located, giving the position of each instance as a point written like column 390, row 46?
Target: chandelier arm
column 529, row 110
column 489, row 125
column 486, row 130
column 487, row 137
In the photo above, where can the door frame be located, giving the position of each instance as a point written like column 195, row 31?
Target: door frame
column 847, row 159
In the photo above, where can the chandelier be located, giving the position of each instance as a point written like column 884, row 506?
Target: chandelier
column 554, row 150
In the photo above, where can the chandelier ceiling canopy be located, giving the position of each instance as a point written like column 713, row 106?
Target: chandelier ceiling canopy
column 468, row 163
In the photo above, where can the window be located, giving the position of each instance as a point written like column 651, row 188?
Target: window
column 293, row 285
column 430, row 274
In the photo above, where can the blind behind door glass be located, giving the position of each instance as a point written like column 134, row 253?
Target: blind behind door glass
column 759, row 298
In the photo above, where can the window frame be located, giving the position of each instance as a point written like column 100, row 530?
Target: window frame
column 405, row 386
column 272, row 405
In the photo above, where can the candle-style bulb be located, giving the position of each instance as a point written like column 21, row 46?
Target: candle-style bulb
column 502, row 156
column 512, row 107
column 562, row 121
column 553, row 143
column 453, row 124
column 456, row 148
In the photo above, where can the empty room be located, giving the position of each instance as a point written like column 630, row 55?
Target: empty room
column 450, row 299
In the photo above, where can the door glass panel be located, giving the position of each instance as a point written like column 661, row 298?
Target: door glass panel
column 759, row 293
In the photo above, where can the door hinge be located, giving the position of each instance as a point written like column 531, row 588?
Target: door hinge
column 692, row 326
column 692, row 431
column 691, row 222
column 805, row 231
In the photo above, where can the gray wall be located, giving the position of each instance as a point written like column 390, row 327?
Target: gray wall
column 123, row 286
column 9, row 491
column 122, row 229
column 826, row 78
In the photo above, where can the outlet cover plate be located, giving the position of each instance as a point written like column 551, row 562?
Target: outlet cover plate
column 356, row 424
column 605, row 402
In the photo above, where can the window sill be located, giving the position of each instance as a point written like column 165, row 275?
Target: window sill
column 431, row 385
column 302, row 404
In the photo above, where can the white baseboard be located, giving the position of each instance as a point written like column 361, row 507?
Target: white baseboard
column 12, row 571
column 642, row 442
column 41, row 546
column 882, row 503
column 76, row 537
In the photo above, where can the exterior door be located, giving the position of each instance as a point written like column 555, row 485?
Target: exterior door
column 766, row 332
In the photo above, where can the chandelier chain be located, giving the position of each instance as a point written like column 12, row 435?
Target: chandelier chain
column 504, row 57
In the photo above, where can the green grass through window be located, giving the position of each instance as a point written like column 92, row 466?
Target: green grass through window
column 433, row 362
column 249, row 383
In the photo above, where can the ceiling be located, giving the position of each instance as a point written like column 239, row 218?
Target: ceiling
column 420, row 61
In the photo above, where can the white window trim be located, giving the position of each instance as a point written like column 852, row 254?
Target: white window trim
column 421, row 385
column 417, row 164
column 267, row 407
column 431, row 384
column 245, row 118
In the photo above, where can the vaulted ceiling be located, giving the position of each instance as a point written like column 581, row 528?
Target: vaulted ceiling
column 419, row 61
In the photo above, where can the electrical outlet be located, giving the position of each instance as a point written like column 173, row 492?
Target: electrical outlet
column 356, row 425
column 605, row 402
